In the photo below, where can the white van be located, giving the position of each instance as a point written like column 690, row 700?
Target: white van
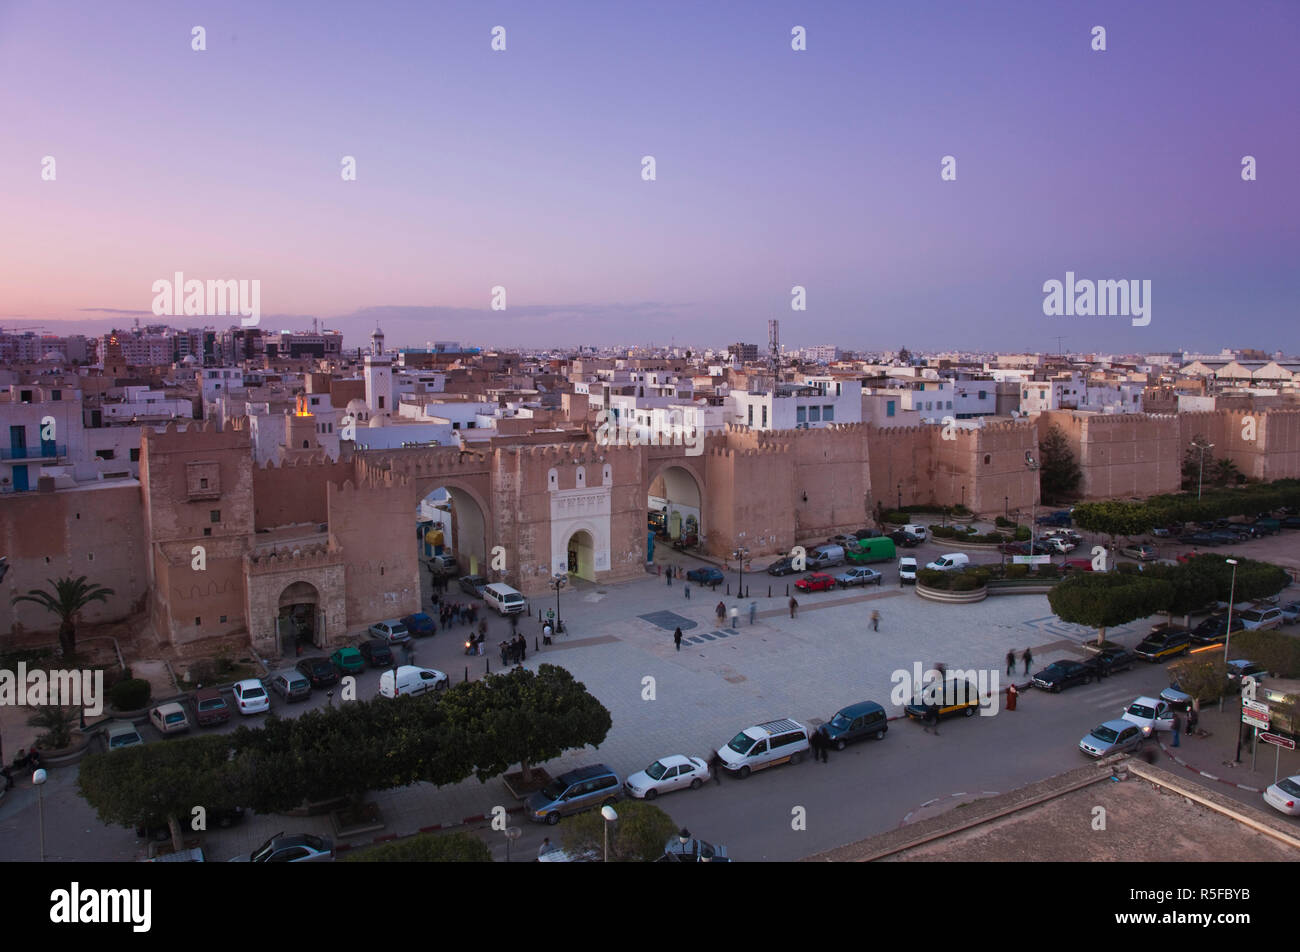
column 915, row 532
column 950, row 562
column 411, row 680
column 764, row 745
column 825, row 556
column 506, row 600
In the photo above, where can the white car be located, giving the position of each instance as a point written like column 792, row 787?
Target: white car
column 1290, row 612
column 408, row 679
column 859, row 576
column 121, row 735
column 1261, row 619
column 1058, row 545
column 1151, row 715
column 914, row 531
column 949, row 562
column 667, row 774
column 392, row 632
column 907, row 569
column 251, row 697
column 1284, row 796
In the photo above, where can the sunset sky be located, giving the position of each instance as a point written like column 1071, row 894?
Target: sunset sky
column 522, row 168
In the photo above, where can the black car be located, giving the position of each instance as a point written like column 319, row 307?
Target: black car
column 1165, row 644
column 866, row 534
column 473, row 585
column 318, row 671
column 1224, row 537
column 1214, row 630
column 781, row 567
column 1063, row 674
column 1114, row 658
column 1291, row 522
column 1199, row 538
column 377, row 653
column 901, row 538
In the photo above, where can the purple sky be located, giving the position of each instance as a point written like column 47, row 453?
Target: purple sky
column 775, row 168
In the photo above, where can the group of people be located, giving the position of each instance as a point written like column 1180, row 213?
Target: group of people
column 1027, row 657
column 454, row 613
column 515, row 650
column 24, row 761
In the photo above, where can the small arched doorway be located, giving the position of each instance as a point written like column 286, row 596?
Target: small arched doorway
column 581, row 550
column 298, row 622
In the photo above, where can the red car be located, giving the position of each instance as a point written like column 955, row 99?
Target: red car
column 817, row 582
column 1076, row 565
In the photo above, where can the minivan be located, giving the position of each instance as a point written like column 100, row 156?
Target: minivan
column 169, row 718
column 873, row 550
column 856, row 722
column 824, row 556
column 915, row 532
column 573, row 792
column 506, row 600
column 950, row 562
column 292, row 685
column 764, row 745
column 411, row 680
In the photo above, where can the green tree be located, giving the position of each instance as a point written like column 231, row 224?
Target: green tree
column 160, row 783
column 525, row 718
column 1202, row 676
column 57, row 721
column 427, row 848
column 637, row 836
column 1103, row 600
column 1226, row 473
column 67, row 596
column 1277, row 652
column 1254, row 579
column 1113, row 519
column 1059, row 473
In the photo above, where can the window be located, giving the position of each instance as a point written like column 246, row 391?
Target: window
column 197, row 621
column 214, row 515
column 765, row 415
column 56, row 394
column 751, row 414
column 223, row 619
column 103, row 454
column 304, row 444
column 983, row 394
column 315, row 402
column 987, row 459
column 828, row 414
column 801, row 415
column 759, row 748
column 134, row 455
column 949, row 404
column 203, row 484
column 889, row 408
column 381, row 403
column 207, row 531
column 837, row 390
column 814, row 414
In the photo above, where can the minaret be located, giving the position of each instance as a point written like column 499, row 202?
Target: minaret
column 377, row 342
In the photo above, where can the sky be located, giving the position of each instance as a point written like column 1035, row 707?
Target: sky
column 523, row 169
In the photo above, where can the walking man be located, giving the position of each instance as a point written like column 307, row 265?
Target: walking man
column 523, row 648
column 794, row 606
column 505, row 655
column 825, row 744
column 932, row 714
column 1011, row 662
column 1178, row 726
column 687, row 589
column 753, row 611
column 721, row 612
column 1193, row 715
column 735, row 612
column 677, row 640
column 815, row 742
column 875, row 621
column 1028, row 658
column 547, row 631
column 668, row 576
column 715, row 765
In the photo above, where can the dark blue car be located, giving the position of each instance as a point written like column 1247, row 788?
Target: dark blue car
column 420, row 625
column 706, row 576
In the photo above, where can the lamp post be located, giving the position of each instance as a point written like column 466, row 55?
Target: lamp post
column 740, row 554
column 1006, row 508
column 512, row 834
column 1232, row 591
column 38, row 778
column 1032, row 465
column 1201, row 472
column 900, row 497
column 610, row 816
column 560, row 580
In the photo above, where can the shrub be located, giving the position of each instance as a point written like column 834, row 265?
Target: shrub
column 1017, row 571
column 427, row 848
column 897, row 517
column 1002, row 522
column 131, row 694
column 961, row 510
column 965, row 582
column 1023, row 533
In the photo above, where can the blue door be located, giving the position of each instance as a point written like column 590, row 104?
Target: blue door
column 20, row 479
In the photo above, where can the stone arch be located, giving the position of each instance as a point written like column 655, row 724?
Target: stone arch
column 468, row 526
column 677, row 491
column 298, row 621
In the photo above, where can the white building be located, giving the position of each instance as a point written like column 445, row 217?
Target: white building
column 816, row 402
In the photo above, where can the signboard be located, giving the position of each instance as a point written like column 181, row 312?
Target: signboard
column 1031, row 559
column 1277, row 739
column 1255, row 714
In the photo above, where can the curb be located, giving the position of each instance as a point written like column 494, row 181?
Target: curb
column 1208, row 776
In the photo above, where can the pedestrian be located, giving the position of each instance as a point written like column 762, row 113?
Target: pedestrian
column 545, row 848
column 715, row 766
column 753, row 611
column 735, row 613
column 482, row 627
column 505, row 654
column 547, row 631
column 1011, row 697
column 875, row 621
column 1011, row 662
column 825, row 744
column 523, row 648
column 668, row 577
column 815, row 742
column 794, row 606
column 687, row 589
column 933, row 713
column 721, row 611
column 677, row 638
column 1178, row 726
column 8, row 775
column 1028, row 658
column 473, row 614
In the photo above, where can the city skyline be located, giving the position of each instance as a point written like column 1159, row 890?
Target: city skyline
column 522, row 169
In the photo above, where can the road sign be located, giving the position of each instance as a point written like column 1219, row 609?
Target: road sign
column 1259, row 708
column 1031, row 559
column 1277, row 739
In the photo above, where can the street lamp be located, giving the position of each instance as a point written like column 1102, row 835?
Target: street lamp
column 1006, row 508
column 610, row 816
column 1232, row 591
column 1032, row 465
column 560, row 580
column 38, row 778
column 900, row 496
column 740, row 554
column 1201, row 472
column 512, row 834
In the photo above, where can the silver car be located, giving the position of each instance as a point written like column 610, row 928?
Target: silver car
column 1113, row 737
column 859, row 576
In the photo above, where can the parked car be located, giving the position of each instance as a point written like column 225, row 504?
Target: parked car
column 1057, row 546
column 1114, row 658
column 1261, row 619
column 765, row 745
column 251, row 697
column 473, row 585
column 901, row 538
column 1143, row 553
column 1290, row 612
column 1112, row 737
column 1160, row 532
column 1014, row 548
column 170, row 718
column 1284, row 796
column 391, row 631
column 907, row 570
column 917, row 532
column 123, row 734
column 861, row 575
column 781, row 567
column 1063, row 674
column 1290, row 522
column 574, row 791
column 210, row 708
column 1077, row 565
column 1150, row 714
column 857, row 722
column 291, row 684
column 348, row 660
column 319, row 671
column 291, row 848
column 444, row 564
column 1239, row 668
column 866, row 534
column 1214, row 629
column 1176, row 697
column 685, row 848
column 675, row 772
column 957, row 697
column 408, row 679
column 949, row 562
column 706, row 575
column 1224, row 537
column 376, row 652
column 1061, row 518
column 1167, row 644
column 816, row 582
column 420, row 624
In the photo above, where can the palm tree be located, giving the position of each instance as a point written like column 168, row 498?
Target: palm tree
column 70, row 596
column 1226, row 473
